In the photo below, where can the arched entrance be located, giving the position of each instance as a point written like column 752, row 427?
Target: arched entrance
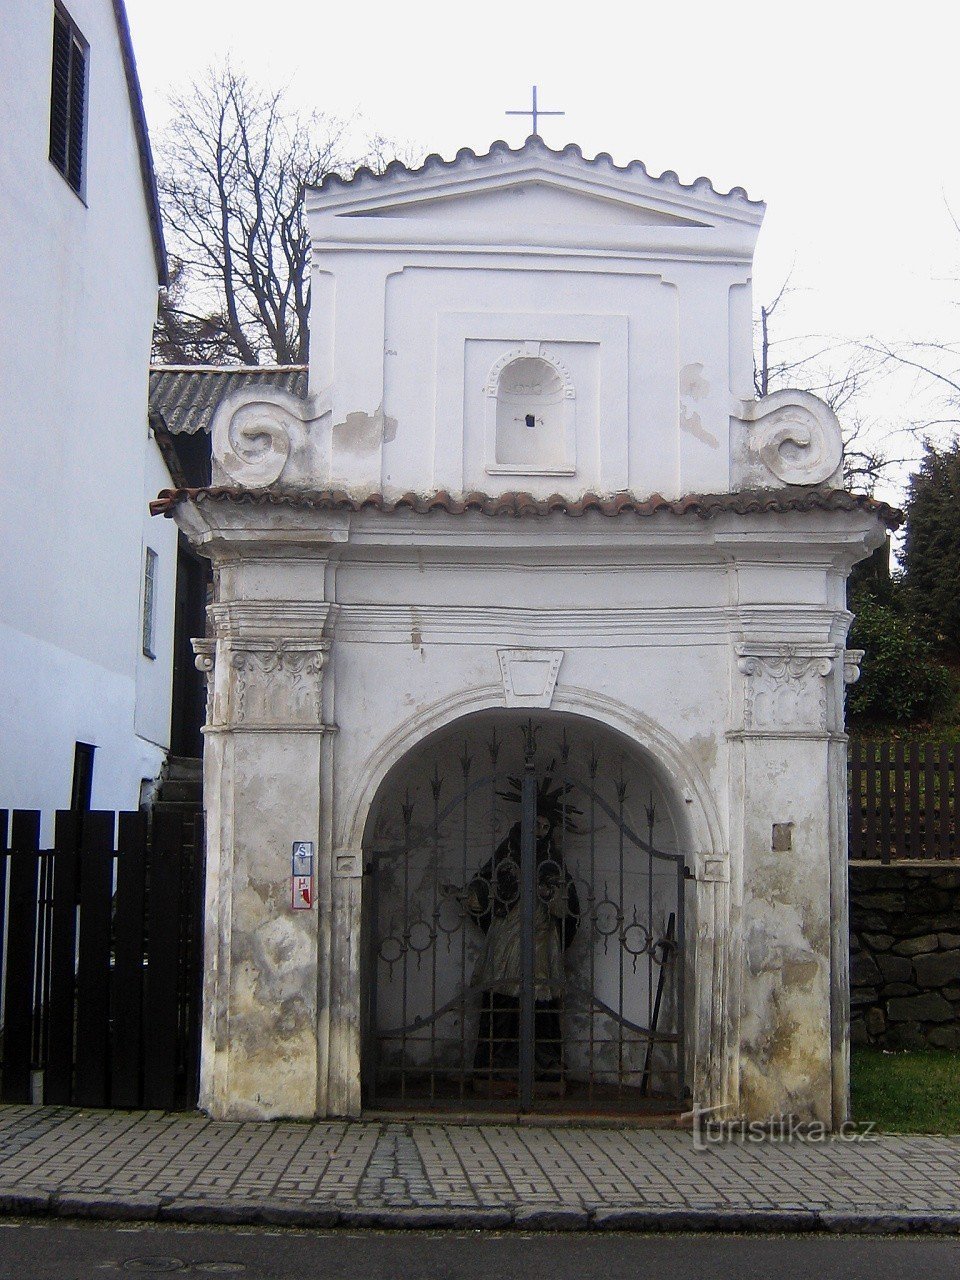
column 524, row 923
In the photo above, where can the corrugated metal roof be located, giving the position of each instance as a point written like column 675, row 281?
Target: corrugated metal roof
column 705, row 506
column 185, row 397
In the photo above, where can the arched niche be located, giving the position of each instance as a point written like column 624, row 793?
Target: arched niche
column 531, row 424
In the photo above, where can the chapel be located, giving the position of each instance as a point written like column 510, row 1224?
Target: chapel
column 524, row 754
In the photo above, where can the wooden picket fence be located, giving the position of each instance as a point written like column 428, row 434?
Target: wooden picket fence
column 100, row 943
column 903, row 800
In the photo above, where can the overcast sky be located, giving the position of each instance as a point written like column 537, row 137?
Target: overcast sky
column 841, row 116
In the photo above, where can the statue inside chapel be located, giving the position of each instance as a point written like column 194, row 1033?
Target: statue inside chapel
column 492, row 899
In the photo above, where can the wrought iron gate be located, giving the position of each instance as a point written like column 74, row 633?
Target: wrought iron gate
column 525, row 943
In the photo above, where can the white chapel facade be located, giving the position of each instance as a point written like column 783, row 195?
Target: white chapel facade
column 529, row 635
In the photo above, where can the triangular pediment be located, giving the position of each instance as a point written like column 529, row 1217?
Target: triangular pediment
column 539, row 202
column 532, row 186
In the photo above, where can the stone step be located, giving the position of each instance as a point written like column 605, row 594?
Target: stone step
column 184, row 767
column 189, row 789
column 182, row 807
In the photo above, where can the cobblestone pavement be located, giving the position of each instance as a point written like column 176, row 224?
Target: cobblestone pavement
column 186, row 1167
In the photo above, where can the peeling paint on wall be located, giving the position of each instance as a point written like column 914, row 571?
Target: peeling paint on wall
column 362, row 431
column 693, row 388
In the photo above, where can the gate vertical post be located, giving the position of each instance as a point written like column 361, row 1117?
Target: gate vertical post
column 528, row 891
column 21, row 954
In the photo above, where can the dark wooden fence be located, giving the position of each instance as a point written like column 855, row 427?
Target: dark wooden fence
column 903, row 800
column 101, row 947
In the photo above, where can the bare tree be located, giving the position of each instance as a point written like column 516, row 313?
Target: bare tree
column 936, row 370
column 761, row 365
column 232, row 170
column 184, row 334
column 934, row 367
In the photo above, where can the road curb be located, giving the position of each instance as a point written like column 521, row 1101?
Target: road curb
column 639, row 1219
column 71, row 1204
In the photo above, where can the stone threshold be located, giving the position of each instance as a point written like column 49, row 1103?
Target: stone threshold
column 532, row 1119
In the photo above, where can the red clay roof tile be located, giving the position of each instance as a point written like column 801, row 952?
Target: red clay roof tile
column 745, row 502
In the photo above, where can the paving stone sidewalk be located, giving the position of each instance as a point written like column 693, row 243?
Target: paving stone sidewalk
column 149, row 1165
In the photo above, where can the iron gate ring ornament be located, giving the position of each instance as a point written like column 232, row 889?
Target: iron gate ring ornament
column 646, row 939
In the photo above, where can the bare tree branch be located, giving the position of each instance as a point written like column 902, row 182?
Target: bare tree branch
column 232, row 170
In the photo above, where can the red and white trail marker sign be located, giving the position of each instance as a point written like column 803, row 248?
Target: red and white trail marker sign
column 301, row 880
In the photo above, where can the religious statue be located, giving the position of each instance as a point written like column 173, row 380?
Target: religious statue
column 492, row 899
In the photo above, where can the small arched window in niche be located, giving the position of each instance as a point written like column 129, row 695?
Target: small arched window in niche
column 531, row 427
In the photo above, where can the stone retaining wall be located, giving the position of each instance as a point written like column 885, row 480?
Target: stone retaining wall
column 905, row 954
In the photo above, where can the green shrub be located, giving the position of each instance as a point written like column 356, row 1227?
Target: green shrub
column 931, row 545
column 901, row 681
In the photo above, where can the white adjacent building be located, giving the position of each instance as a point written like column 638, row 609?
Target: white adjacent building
column 87, row 580
column 524, row 754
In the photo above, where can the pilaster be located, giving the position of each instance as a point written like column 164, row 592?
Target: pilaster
column 789, row 697
column 264, row 740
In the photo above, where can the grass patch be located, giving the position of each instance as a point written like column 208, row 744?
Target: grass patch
column 916, row 1091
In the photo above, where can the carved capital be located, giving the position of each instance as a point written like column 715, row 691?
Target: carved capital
column 276, row 685
column 795, row 436
column 785, row 686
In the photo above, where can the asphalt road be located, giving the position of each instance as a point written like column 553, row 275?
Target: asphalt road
column 78, row 1251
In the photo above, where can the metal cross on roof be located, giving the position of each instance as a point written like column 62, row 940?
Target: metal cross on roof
column 535, row 112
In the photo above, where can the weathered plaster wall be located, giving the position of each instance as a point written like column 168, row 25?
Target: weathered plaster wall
column 316, row 699
column 905, row 955
column 785, row 1024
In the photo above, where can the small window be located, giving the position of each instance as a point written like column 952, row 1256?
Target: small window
column 82, row 777
column 68, row 99
column 149, row 601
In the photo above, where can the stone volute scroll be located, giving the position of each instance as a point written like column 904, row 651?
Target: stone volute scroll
column 788, row 437
column 262, row 437
column 851, row 665
column 205, row 660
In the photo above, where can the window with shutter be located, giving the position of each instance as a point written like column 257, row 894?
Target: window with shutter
column 68, row 96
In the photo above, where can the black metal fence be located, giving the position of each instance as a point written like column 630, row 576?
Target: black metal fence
column 100, row 959
column 902, row 800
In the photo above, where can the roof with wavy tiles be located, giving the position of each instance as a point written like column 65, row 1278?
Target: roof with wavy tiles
column 435, row 163
column 704, row 506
